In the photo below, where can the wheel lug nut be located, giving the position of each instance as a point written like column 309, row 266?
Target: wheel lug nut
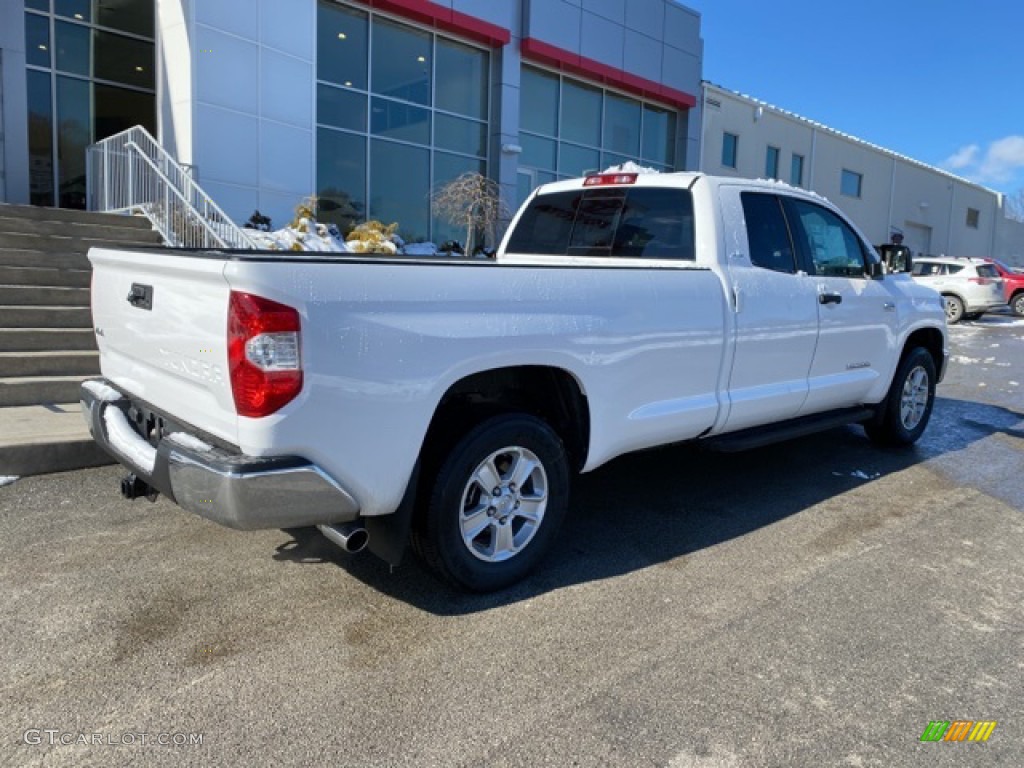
column 491, row 511
column 496, row 491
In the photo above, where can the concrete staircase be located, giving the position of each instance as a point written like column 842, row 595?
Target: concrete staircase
column 46, row 340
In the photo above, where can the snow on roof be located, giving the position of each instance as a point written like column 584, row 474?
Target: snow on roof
column 847, row 136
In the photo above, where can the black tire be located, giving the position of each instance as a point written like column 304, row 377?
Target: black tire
column 954, row 309
column 903, row 415
column 972, row 315
column 517, row 525
column 1017, row 304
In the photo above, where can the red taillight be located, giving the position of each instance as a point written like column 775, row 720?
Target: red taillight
column 603, row 179
column 263, row 354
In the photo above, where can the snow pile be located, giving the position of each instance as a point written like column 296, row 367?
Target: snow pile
column 305, row 235
column 629, row 167
column 7, row 480
column 127, row 442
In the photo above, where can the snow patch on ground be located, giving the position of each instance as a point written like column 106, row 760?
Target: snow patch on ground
column 860, row 474
column 7, row 480
column 964, row 360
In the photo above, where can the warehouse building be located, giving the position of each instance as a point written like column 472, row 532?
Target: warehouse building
column 885, row 193
column 369, row 104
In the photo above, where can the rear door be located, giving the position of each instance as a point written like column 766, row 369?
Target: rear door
column 776, row 312
column 160, row 319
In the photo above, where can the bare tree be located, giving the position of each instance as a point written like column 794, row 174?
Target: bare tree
column 474, row 202
column 1013, row 205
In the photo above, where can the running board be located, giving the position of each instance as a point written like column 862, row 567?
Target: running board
column 757, row 437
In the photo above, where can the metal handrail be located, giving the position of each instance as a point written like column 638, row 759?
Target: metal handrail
column 130, row 172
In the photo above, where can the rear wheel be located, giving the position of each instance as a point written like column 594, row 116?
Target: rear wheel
column 496, row 505
column 1017, row 304
column 903, row 415
column 954, row 309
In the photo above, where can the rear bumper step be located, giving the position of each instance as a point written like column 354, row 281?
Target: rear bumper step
column 239, row 491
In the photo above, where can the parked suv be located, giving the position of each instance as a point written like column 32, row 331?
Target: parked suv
column 1013, row 285
column 970, row 287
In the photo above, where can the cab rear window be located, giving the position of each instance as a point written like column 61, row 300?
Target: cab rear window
column 644, row 223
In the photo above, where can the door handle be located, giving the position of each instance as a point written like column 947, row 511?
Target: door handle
column 830, row 298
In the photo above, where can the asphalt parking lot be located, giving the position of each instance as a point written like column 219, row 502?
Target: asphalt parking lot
column 816, row 603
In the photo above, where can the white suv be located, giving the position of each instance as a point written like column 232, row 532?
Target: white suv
column 971, row 287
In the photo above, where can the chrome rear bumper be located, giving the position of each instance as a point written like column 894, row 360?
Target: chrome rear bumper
column 232, row 489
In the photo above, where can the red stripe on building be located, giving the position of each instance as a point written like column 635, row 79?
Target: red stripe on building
column 566, row 61
column 445, row 19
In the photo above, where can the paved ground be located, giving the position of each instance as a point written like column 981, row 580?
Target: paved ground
column 811, row 604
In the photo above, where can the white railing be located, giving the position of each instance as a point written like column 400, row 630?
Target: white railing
column 130, row 172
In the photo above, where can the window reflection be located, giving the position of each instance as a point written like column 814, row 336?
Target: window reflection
column 37, row 40
column 622, row 125
column 538, row 107
column 401, row 62
column 134, row 16
column 40, row 138
column 400, row 121
column 341, row 109
column 400, row 187
column 72, row 48
column 123, row 59
column 341, row 178
column 460, row 135
column 118, row 109
column 581, row 114
column 73, row 136
column 461, row 79
column 74, row 9
column 341, row 45
column 659, row 136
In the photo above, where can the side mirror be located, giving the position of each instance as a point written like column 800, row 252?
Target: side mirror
column 897, row 258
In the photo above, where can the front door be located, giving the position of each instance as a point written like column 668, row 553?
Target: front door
column 776, row 312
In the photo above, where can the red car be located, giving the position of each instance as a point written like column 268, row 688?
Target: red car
column 1013, row 286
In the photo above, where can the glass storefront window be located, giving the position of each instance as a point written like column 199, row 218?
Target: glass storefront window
column 40, row 138
column 74, row 134
column 581, row 114
column 460, row 135
column 448, row 167
column 123, row 59
column 37, row 40
column 538, row 152
column 74, row 9
column 622, row 125
column 538, row 102
column 576, row 161
column 461, row 79
column 341, row 45
column 38, row 5
column 659, row 136
column 341, row 178
column 400, row 187
column 117, row 109
column 133, row 16
column 397, row 120
column 340, row 108
column 72, row 49
column 401, row 62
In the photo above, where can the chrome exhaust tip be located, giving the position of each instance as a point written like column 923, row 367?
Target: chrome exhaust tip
column 351, row 537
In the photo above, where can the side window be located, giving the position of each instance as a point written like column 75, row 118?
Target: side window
column 545, row 227
column 767, row 233
column 951, row 269
column 921, row 269
column 656, row 223
column 831, row 246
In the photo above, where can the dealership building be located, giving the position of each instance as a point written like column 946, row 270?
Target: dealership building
column 373, row 104
column 370, row 105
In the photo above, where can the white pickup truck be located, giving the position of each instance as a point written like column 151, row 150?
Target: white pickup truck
column 449, row 402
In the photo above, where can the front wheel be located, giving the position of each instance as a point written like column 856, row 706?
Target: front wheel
column 1017, row 304
column 954, row 309
column 903, row 415
column 496, row 505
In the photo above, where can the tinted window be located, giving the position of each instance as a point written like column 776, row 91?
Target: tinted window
column 642, row 223
column 987, row 270
column 832, row 247
column 767, row 234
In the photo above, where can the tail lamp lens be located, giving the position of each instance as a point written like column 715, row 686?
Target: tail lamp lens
column 263, row 354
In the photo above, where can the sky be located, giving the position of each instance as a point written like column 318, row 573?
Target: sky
column 940, row 81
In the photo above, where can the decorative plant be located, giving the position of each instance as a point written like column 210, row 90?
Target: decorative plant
column 474, row 202
column 373, row 237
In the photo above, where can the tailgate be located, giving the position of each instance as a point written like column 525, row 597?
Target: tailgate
column 160, row 320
